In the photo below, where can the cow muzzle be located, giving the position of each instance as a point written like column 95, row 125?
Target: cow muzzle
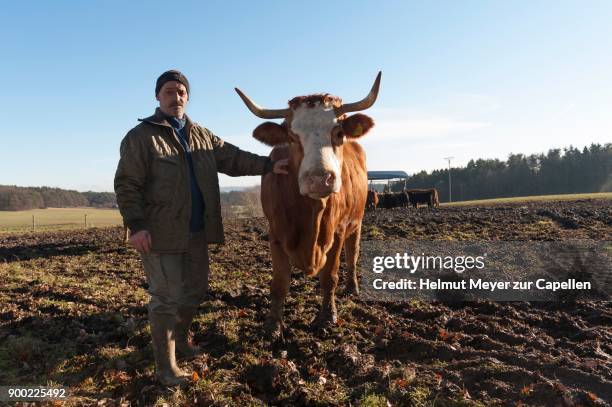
column 318, row 186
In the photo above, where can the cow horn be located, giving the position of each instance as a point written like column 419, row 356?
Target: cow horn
column 366, row 102
column 260, row 111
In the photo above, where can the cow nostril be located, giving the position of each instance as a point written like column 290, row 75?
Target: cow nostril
column 329, row 179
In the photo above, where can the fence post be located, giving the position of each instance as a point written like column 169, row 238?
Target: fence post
column 33, row 224
column 85, row 220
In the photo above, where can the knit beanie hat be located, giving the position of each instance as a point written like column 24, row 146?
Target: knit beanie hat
column 171, row 75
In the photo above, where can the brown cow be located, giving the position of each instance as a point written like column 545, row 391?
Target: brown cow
column 384, row 200
column 402, row 198
column 317, row 209
column 372, row 200
column 424, row 196
column 393, row 200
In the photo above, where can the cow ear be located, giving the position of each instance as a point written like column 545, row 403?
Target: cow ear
column 271, row 133
column 357, row 125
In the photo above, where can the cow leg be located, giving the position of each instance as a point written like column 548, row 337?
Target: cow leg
column 328, row 279
column 281, row 279
column 351, row 254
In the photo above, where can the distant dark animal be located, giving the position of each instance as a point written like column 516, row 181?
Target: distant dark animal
column 372, row 200
column 384, row 200
column 393, row 200
column 423, row 196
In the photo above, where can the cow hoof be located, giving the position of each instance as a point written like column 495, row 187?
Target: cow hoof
column 274, row 330
column 324, row 320
column 352, row 289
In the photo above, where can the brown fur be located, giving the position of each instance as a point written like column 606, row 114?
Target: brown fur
column 357, row 125
column 305, row 227
column 311, row 233
column 311, row 100
column 271, row 133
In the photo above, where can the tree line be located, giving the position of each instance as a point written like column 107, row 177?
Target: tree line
column 243, row 203
column 14, row 198
column 560, row 171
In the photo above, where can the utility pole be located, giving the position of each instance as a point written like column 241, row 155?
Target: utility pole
column 450, row 199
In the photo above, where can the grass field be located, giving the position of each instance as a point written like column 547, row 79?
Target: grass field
column 539, row 198
column 58, row 218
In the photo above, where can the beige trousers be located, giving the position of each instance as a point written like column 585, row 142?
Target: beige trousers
column 177, row 280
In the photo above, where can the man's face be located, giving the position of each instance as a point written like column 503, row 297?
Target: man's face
column 173, row 98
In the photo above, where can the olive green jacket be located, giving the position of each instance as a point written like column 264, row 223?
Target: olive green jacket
column 152, row 180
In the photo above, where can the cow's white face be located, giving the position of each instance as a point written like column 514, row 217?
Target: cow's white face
column 320, row 170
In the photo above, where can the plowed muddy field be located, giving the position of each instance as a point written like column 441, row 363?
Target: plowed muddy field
column 72, row 313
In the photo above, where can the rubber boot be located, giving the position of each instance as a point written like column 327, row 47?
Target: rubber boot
column 166, row 370
column 184, row 347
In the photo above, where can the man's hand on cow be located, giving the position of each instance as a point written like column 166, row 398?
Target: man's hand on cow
column 141, row 241
column 281, row 166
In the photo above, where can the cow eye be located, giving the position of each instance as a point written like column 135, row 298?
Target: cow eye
column 338, row 136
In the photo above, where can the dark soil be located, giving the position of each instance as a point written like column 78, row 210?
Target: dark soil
column 72, row 311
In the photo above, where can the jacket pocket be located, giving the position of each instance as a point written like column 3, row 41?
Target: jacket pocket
column 166, row 177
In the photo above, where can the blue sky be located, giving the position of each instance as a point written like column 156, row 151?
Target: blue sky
column 469, row 79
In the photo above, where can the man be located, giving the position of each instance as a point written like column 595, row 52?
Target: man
column 168, row 194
